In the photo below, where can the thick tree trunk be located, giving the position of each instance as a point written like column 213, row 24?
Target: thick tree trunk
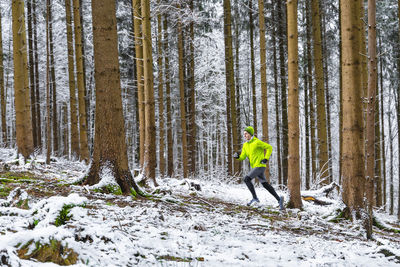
column 23, row 119
column 353, row 147
column 84, row 149
column 110, row 150
column 293, row 108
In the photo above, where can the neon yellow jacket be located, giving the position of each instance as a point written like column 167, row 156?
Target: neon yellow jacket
column 254, row 150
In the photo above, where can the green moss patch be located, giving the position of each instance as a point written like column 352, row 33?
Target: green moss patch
column 16, row 177
column 109, row 189
column 179, row 259
column 54, row 252
column 64, row 215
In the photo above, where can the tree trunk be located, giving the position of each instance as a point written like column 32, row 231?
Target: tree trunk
column 252, row 66
column 353, row 147
column 72, row 90
column 2, row 91
column 230, row 82
column 160, row 95
column 321, row 111
column 48, row 108
column 23, row 120
column 282, row 60
column 307, row 89
column 150, row 141
column 53, row 86
column 263, row 73
column 192, row 100
column 170, row 149
column 277, row 102
column 182, row 99
column 110, row 150
column 140, row 83
column 382, row 141
column 32, row 75
column 36, row 81
column 84, row 150
column 370, row 131
column 293, row 107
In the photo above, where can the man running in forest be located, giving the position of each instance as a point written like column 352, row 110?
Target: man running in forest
column 254, row 149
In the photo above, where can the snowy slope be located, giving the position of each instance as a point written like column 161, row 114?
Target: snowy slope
column 180, row 226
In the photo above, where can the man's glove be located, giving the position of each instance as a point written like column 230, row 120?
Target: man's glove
column 264, row 161
column 236, row 155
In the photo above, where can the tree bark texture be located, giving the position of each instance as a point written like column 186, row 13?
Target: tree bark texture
column 319, row 77
column 293, row 107
column 110, row 150
column 23, row 119
column 352, row 130
column 150, row 140
column 71, row 82
column 84, row 149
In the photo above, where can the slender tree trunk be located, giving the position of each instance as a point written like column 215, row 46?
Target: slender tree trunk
column 391, row 137
column 170, row 149
column 160, row 95
column 307, row 89
column 53, row 86
column 72, row 90
column 321, row 111
column 182, row 99
column 230, row 82
column 36, row 81
column 140, row 83
column 383, row 143
column 23, row 119
column 252, row 66
column 32, row 75
column 277, row 102
column 192, row 100
column 353, row 146
column 370, row 141
column 293, row 107
column 150, row 141
column 110, row 150
column 84, row 149
column 48, row 108
column 398, row 112
column 282, row 36
column 2, row 90
column 263, row 72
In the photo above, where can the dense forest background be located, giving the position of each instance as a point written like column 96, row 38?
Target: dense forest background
column 209, row 84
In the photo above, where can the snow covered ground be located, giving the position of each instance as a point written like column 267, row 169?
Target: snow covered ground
column 179, row 226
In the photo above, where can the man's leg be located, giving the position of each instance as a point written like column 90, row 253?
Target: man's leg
column 250, row 186
column 271, row 190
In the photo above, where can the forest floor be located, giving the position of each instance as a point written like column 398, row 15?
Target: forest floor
column 46, row 220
